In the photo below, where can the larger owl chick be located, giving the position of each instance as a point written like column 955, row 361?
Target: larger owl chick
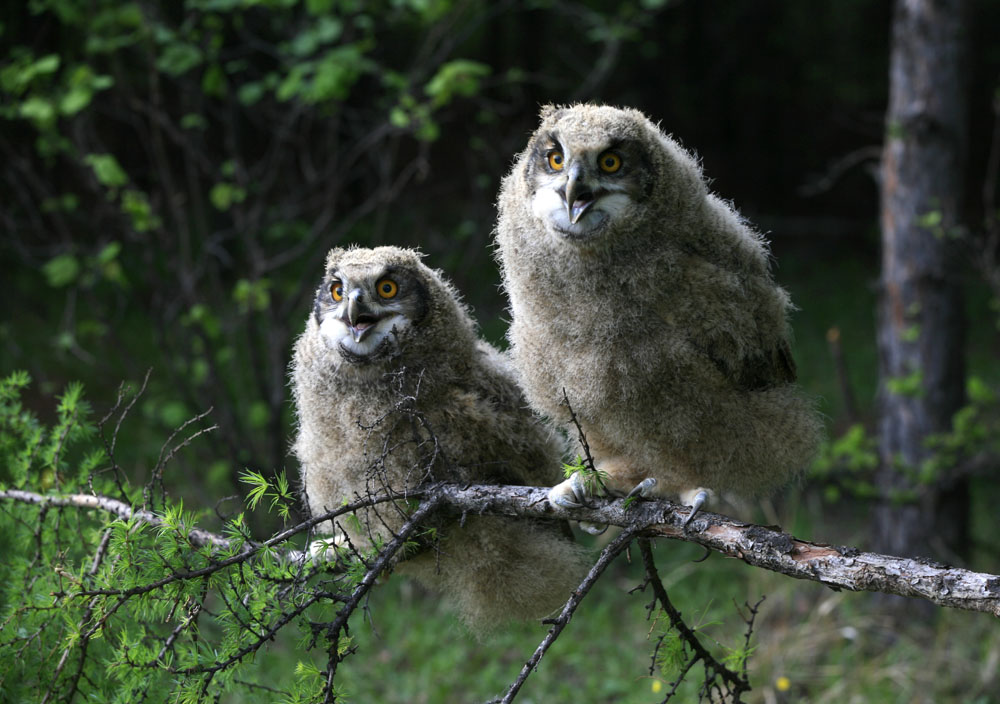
column 393, row 388
column 649, row 302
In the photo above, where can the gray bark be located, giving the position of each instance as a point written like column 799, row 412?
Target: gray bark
column 837, row 567
column 921, row 325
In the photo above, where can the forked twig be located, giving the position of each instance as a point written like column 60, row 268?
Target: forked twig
column 736, row 683
column 607, row 556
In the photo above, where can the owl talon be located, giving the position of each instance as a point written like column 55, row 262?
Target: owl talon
column 326, row 548
column 695, row 498
column 643, row 489
column 571, row 493
column 593, row 528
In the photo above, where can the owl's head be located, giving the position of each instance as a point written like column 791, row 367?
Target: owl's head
column 593, row 170
column 370, row 300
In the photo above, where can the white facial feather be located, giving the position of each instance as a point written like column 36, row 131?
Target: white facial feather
column 549, row 207
column 337, row 334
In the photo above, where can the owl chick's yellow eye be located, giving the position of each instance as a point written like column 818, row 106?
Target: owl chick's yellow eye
column 337, row 291
column 387, row 288
column 609, row 162
column 556, row 160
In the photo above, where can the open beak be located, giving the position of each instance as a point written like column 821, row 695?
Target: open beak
column 357, row 317
column 578, row 196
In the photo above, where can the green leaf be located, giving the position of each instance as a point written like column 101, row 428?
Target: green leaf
column 670, row 656
column 75, row 100
column 735, row 658
column 107, row 169
column 39, row 110
column 293, row 82
column 249, row 93
column 67, row 202
column 978, row 391
column 179, row 58
column 258, row 486
column 193, row 121
column 214, row 81
column 109, row 253
column 329, row 29
column 930, row 219
column 136, row 205
column 18, row 76
column 910, row 333
column 399, row 118
column 223, row 195
column 46, row 64
column 428, row 131
column 336, row 73
column 201, row 315
column 61, row 270
column 458, row 77
column 101, row 82
column 910, row 385
column 252, row 295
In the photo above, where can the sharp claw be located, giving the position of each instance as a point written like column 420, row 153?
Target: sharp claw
column 697, row 503
column 593, row 528
column 563, row 501
column 573, row 493
column 569, row 494
column 643, row 488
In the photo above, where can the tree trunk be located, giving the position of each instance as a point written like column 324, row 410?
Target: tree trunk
column 921, row 324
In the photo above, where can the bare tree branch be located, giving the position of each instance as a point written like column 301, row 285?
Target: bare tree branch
column 733, row 683
column 607, row 556
column 760, row 546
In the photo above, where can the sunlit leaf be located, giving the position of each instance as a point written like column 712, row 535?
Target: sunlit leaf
column 61, row 270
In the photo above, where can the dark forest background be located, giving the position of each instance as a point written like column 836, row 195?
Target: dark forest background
column 173, row 175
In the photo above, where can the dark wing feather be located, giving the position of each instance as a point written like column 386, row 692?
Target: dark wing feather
column 761, row 371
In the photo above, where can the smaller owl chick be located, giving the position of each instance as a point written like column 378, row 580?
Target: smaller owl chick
column 649, row 304
column 393, row 388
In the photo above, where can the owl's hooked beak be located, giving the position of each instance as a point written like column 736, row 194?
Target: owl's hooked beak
column 577, row 195
column 357, row 316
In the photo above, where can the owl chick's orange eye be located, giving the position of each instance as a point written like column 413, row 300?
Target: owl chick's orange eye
column 556, row 160
column 609, row 162
column 387, row 288
column 337, row 291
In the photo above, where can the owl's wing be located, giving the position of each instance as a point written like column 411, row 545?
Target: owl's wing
column 718, row 311
column 769, row 368
column 770, row 363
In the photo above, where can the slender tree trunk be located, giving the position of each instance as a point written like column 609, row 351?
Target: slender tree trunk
column 921, row 324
